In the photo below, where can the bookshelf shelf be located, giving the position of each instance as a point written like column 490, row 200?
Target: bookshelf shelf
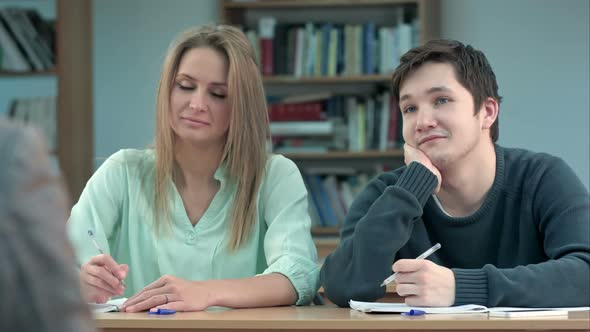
column 323, row 231
column 5, row 73
column 313, row 3
column 326, row 79
column 346, row 155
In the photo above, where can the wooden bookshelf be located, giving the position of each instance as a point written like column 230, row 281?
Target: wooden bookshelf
column 232, row 12
column 335, row 231
column 73, row 74
column 325, row 246
column 75, row 134
column 378, row 17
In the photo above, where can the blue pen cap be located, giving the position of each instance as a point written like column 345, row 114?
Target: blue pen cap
column 161, row 311
column 414, row 312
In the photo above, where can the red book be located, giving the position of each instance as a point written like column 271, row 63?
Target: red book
column 266, row 31
column 296, row 112
column 266, row 57
column 392, row 130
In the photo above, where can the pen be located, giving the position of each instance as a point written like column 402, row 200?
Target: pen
column 161, row 311
column 91, row 234
column 423, row 256
column 414, row 312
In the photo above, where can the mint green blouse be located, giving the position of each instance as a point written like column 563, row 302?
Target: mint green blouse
column 116, row 205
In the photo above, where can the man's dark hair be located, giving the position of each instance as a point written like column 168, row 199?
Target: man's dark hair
column 472, row 71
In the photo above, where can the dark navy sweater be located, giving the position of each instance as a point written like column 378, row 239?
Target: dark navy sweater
column 527, row 245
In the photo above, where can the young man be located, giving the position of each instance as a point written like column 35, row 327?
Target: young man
column 514, row 225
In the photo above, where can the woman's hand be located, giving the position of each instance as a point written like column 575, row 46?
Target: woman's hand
column 170, row 292
column 101, row 278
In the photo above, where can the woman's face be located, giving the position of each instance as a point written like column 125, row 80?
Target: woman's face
column 200, row 111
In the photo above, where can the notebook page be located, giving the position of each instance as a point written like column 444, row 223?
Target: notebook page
column 507, row 309
column 402, row 307
column 112, row 305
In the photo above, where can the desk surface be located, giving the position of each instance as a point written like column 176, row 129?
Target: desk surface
column 329, row 318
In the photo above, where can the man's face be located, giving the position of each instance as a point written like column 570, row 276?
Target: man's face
column 438, row 115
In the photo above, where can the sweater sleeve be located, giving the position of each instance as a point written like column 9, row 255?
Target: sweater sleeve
column 288, row 246
column 560, row 208
column 379, row 223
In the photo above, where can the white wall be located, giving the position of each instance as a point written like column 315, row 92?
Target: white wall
column 539, row 50
column 130, row 40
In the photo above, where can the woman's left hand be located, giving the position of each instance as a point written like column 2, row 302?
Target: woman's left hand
column 169, row 292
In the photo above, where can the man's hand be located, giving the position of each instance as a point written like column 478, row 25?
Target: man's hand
column 414, row 154
column 169, row 292
column 424, row 283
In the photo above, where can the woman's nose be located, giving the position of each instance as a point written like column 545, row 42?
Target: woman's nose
column 198, row 101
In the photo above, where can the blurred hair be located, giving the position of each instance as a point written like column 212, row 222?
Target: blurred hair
column 39, row 286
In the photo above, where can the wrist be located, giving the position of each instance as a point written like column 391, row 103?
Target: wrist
column 418, row 180
column 214, row 291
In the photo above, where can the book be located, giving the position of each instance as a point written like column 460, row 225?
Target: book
column 301, row 128
column 513, row 312
column 109, row 306
column 266, row 33
column 527, row 313
column 12, row 59
column 376, row 307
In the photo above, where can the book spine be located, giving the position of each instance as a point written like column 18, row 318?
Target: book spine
column 266, row 31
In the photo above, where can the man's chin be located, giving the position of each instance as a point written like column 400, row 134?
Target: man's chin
column 439, row 161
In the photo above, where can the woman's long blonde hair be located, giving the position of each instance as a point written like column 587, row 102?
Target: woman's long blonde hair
column 244, row 155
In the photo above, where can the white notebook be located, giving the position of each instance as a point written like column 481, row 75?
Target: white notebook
column 461, row 309
column 402, row 307
column 112, row 305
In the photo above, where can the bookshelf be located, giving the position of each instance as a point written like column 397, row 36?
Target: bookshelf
column 359, row 76
column 73, row 74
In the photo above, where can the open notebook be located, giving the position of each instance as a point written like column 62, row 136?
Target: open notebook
column 112, row 305
column 461, row 309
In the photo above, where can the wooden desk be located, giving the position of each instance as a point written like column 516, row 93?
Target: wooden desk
column 328, row 318
column 390, row 295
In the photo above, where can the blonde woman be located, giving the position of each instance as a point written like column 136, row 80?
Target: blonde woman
column 206, row 217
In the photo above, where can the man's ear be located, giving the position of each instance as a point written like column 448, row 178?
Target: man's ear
column 489, row 113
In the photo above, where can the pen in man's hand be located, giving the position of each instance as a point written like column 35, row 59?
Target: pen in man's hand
column 91, row 234
column 423, row 256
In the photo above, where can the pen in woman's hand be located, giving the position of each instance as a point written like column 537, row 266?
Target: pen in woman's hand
column 91, row 234
column 425, row 254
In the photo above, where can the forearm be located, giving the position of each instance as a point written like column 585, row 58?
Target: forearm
column 555, row 283
column 380, row 223
column 252, row 292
